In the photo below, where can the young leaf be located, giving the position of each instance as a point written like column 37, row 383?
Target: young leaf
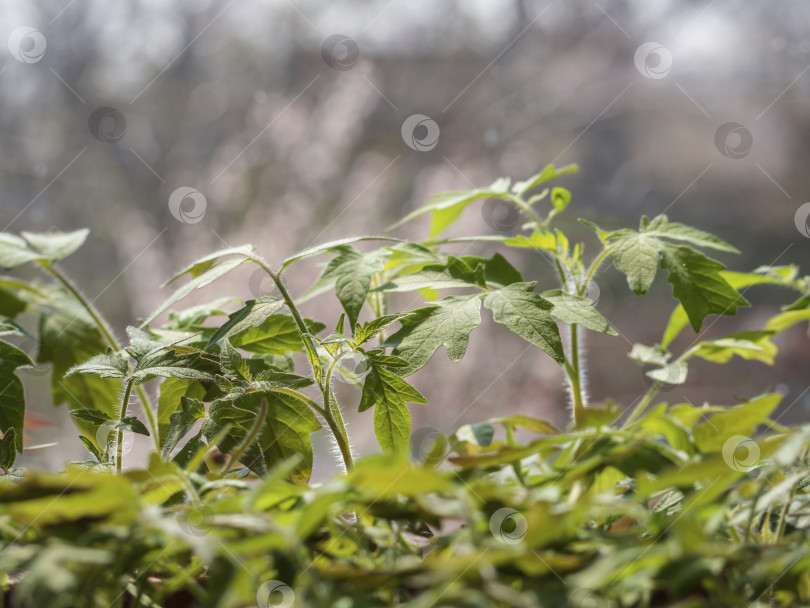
column 332, row 245
column 207, row 262
column 698, row 284
column 278, row 335
column 56, row 245
column 365, row 332
column 12, row 397
column 94, row 417
column 252, row 314
column 447, row 207
column 528, row 315
column 200, row 280
column 353, row 271
column 448, row 323
column 548, row 172
column 387, row 393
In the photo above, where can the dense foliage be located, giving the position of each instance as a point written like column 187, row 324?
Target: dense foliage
column 676, row 505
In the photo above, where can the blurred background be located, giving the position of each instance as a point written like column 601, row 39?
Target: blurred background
column 286, row 117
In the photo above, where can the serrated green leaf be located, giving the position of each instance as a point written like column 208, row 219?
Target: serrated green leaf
column 452, row 274
column 498, row 272
column 388, row 393
column 197, row 282
column 528, row 315
column 234, row 364
column 278, row 335
column 353, row 271
column 94, row 417
column 578, row 310
column 252, row 314
column 285, row 433
column 108, row 365
column 698, row 285
column 636, row 255
column 448, row 323
column 56, row 245
column 662, row 227
column 169, row 361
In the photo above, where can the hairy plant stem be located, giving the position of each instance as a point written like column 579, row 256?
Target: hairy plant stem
column 330, row 410
column 108, row 336
column 119, row 457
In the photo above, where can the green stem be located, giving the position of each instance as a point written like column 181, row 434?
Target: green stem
column 239, row 451
column 108, row 336
column 575, row 376
column 331, row 409
column 642, row 405
column 124, row 405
